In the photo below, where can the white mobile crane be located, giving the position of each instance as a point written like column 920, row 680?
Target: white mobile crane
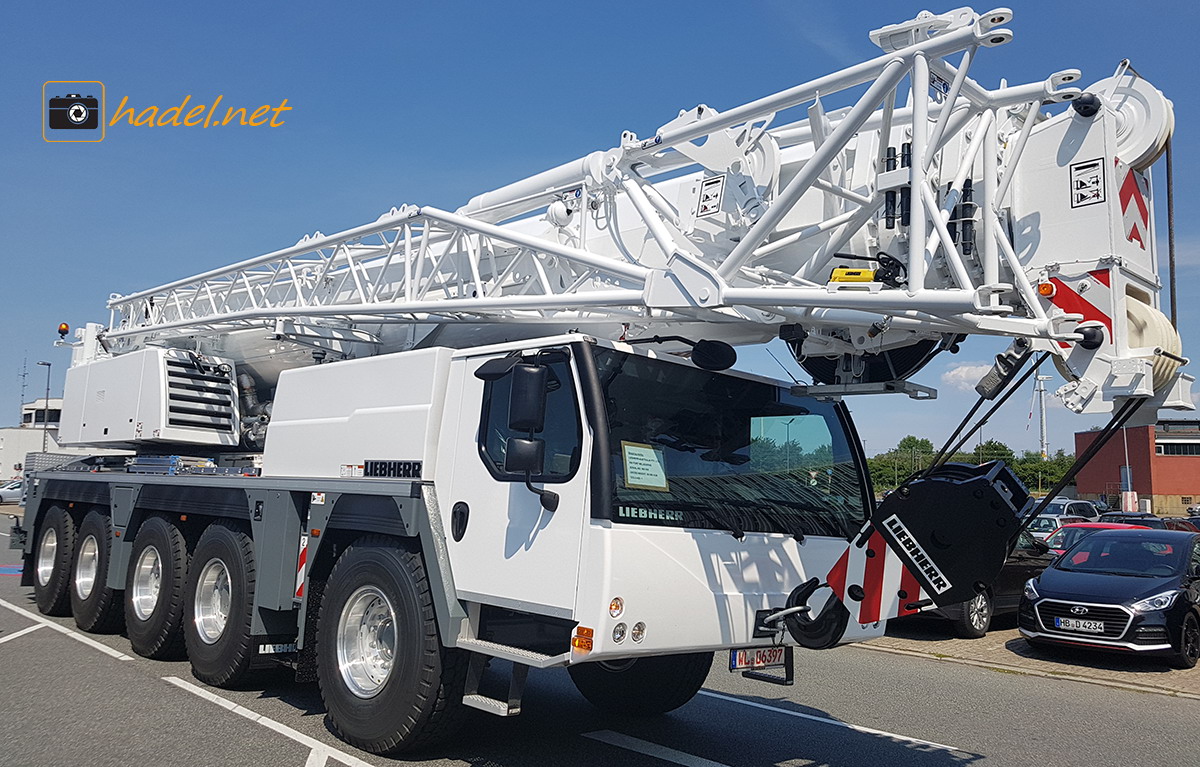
column 388, row 455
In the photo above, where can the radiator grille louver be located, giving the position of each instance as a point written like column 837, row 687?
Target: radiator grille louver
column 200, row 398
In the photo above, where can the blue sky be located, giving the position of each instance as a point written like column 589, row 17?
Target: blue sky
column 435, row 102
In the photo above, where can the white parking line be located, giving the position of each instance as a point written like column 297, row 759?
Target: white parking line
column 64, row 630
column 631, row 743
column 834, row 722
column 22, row 632
column 320, row 751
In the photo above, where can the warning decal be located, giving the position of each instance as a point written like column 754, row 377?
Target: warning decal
column 1087, row 183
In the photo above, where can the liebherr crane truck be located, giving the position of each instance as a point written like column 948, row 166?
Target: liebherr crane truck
column 390, row 455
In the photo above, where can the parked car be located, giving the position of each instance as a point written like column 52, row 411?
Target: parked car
column 1044, row 524
column 12, row 491
column 1068, row 535
column 1069, row 507
column 1134, row 518
column 1121, row 590
column 1149, row 520
column 972, row 618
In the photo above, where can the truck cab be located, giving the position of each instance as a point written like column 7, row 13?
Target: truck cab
column 722, row 484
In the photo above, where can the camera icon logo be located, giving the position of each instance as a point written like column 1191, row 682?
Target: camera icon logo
column 73, row 111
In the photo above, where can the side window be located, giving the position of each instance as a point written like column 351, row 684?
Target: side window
column 561, row 432
column 1196, row 556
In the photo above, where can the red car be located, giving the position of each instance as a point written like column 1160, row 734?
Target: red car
column 1068, row 535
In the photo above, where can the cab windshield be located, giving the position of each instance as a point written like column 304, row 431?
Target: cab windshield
column 697, row 449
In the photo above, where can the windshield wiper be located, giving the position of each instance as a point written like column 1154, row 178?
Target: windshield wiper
column 766, row 510
column 699, row 508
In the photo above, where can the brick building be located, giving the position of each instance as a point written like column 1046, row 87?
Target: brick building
column 1165, row 462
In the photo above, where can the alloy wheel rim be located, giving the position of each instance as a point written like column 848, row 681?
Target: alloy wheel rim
column 47, row 554
column 977, row 611
column 86, row 567
column 147, row 583
column 211, row 611
column 1191, row 639
column 366, row 641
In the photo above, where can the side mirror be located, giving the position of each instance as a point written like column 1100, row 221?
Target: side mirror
column 527, row 399
column 713, row 355
column 1040, row 547
column 525, row 456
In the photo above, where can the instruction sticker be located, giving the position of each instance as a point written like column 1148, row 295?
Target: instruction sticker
column 1087, row 183
column 645, row 466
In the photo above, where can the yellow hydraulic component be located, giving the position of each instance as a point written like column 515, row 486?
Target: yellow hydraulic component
column 844, row 274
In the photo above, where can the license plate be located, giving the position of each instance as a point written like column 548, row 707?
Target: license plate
column 753, row 658
column 1073, row 624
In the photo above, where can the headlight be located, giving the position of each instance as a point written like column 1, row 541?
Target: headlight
column 1157, row 602
column 1031, row 592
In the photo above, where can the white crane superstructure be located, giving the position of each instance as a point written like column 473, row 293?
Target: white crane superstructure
column 990, row 217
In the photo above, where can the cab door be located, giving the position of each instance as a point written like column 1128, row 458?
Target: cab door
column 505, row 547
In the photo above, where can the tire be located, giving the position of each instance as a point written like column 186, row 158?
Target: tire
column 220, row 603
column 412, row 699
column 96, row 607
column 1189, row 643
column 156, row 591
column 53, row 555
column 642, row 686
column 976, row 616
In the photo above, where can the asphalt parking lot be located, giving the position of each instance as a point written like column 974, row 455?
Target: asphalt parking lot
column 68, row 698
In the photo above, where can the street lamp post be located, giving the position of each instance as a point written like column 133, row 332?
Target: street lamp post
column 46, row 407
column 787, row 441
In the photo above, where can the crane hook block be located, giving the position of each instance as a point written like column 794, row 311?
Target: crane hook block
column 954, row 527
column 816, row 632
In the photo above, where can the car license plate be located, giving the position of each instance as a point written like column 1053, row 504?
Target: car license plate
column 1073, row 624
column 753, row 658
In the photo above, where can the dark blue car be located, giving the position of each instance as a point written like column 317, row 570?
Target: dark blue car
column 1123, row 590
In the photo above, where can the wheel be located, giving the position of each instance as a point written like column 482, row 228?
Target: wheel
column 156, row 590
column 55, row 552
column 976, row 617
column 386, row 680
column 642, row 686
column 96, row 607
column 220, row 589
column 1189, row 643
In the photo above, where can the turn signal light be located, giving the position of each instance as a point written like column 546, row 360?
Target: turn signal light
column 582, row 644
column 1046, row 289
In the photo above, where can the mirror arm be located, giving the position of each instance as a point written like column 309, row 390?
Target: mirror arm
column 549, row 498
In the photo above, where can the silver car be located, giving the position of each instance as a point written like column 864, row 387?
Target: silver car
column 12, row 492
column 1045, row 524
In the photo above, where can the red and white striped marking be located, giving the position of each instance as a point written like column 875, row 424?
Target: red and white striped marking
column 1134, row 209
column 881, row 575
column 1072, row 302
column 301, row 566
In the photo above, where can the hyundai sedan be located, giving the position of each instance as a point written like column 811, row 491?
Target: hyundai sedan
column 1121, row 590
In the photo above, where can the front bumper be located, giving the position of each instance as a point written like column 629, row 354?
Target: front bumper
column 1153, row 633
